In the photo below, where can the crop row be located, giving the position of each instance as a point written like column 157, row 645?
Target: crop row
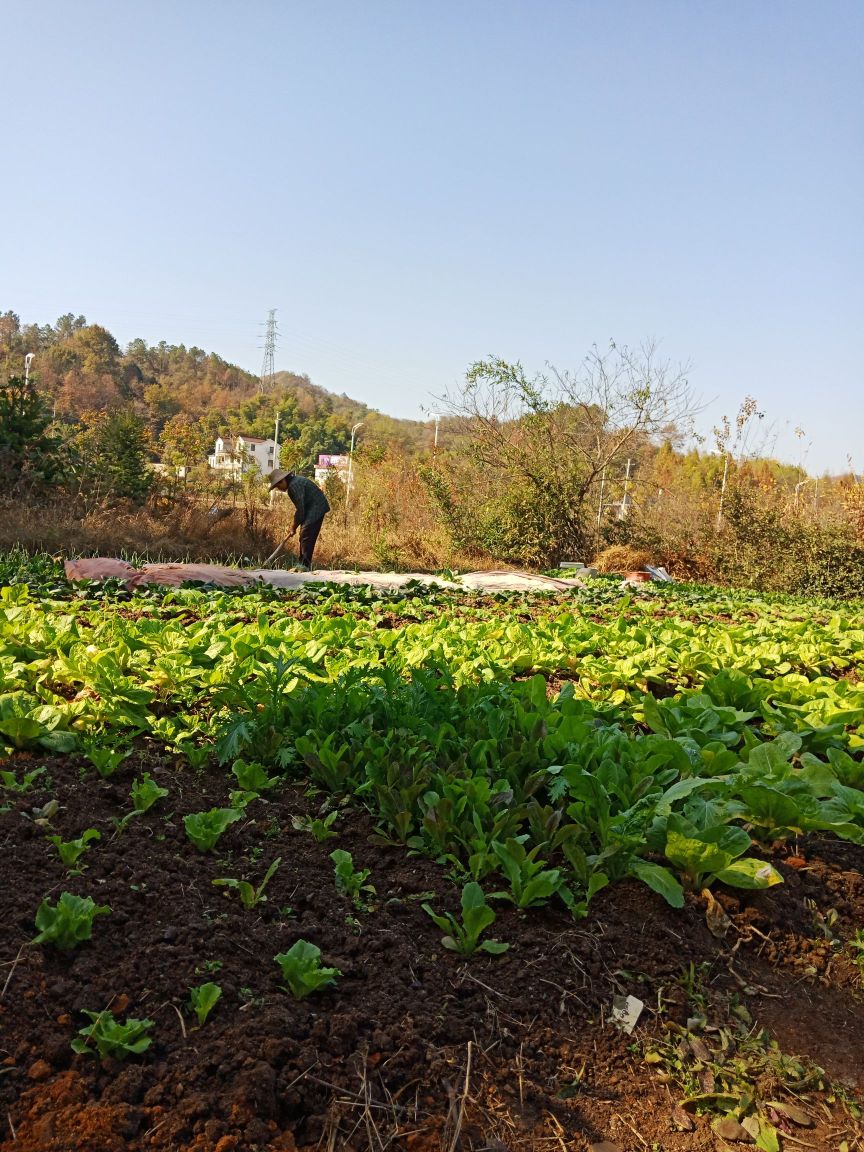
column 447, row 731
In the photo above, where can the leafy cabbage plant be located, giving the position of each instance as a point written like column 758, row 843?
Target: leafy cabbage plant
column 205, row 828
column 302, row 970
column 702, row 857
column 69, row 922
column 477, row 916
column 105, row 1036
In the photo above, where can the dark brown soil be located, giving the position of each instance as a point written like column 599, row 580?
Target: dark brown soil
column 414, row 1047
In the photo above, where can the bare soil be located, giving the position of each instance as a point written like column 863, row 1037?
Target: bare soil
column 415, row 1047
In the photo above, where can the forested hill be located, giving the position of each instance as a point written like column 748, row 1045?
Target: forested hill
column 80, row 368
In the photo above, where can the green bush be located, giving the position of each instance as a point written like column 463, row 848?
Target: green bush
column 31, row 459
column 833, row 566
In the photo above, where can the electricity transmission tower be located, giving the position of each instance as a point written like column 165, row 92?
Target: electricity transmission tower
column 268, row 368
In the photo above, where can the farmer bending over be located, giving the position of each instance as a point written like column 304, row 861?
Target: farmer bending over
column 310, row 506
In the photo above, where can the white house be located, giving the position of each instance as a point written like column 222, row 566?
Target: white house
column 240, row 454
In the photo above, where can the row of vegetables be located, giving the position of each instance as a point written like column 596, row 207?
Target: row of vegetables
column 664, row 737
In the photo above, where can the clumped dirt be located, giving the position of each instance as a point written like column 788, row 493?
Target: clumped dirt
column 414, row 1048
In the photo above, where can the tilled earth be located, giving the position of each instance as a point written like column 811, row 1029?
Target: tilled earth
column 414, row 1047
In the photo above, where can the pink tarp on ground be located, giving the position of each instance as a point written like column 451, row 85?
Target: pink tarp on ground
column 101, row 568
column 98, row 568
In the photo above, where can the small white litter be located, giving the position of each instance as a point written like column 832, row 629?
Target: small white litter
column 659, row 574
column 625, row 1013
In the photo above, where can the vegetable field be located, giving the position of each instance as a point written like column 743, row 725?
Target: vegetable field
column 342, row 870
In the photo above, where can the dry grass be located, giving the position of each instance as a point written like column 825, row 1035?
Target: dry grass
column 184, row 532
column 181, row 534
column 622, row 558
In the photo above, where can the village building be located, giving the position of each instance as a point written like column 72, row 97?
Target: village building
column 243, row 452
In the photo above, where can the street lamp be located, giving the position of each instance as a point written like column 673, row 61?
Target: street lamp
column 276, row 454
column 359, row 424
column 436, row 416
column 28, row 360
column 800, row 485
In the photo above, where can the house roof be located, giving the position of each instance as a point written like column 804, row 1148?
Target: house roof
column 253, row 439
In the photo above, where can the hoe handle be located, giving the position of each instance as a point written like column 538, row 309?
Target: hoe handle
column 273, row 555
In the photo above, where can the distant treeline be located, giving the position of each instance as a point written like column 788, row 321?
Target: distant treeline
column 187, row 393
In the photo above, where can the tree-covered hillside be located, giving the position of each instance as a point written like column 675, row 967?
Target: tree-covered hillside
column 186, row 396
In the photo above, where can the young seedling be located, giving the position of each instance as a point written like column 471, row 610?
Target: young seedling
column 477, row 915
column 242, row 800
column 105, row 760
column 301, row 969
column 249, row 896
column 145, row 792
column 208, row 968
column 69, row 922
column 856, row 945
column 530, row 883
column 105, row 1036
column 203, row 1000
column 197, row 755
column 43, row 815
column 9, row 781
column 352, row 883
column 321, row 829
column 205, row 828
column 70, row 850
column 252, row 777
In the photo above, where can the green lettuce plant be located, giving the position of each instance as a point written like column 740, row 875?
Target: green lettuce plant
column 250, row 897
column 205, row 828
column 321, row 829
column 9, row 781
column 26, row 724
column 477, row 916
column 252, row 777
column 530, row 882
column 145, row 792
column 105, row 760
column 69, row 922
column 69, row 851
column 105, row 1036
column 715, row 853
column 302, row 970
column 203, row 1000
column 351, row 881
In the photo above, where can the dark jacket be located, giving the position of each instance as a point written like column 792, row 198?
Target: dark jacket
column 308, row 500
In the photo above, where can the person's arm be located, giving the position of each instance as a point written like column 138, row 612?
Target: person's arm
column 297, row 494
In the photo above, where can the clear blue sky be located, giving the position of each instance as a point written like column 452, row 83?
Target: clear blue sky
column 415, row 185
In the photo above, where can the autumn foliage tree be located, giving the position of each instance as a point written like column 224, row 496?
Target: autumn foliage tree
column 184, row 442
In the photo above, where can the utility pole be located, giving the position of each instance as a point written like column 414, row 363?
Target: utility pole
column 436, row 416
column 351, row 468
column 600, row 509
column 625, row 502
column 268, row 368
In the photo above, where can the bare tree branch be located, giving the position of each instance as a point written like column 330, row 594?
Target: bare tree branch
column 557, row 434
